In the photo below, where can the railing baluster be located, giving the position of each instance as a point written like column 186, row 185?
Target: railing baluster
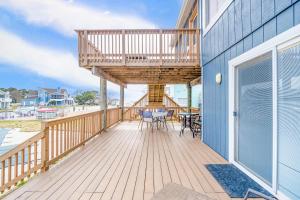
column 35, row 156
column 16, row 166
column 2, row 175
column 28, row 161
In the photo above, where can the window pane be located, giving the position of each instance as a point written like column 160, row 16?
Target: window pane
column 289, row 121
column 212, row 8
column 254, row 120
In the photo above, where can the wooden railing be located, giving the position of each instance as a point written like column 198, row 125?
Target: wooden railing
column 149, row 47
column 57, row 138
column 132, row 113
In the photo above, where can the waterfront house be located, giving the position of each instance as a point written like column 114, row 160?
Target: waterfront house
column 5, row 100
column 30, row 99
column 245, row 54
column 47, row 97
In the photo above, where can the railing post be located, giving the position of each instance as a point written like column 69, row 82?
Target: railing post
column 45, row 147
column 123, row 48
column 160, row 48
column 83, row 131
column 198, row 46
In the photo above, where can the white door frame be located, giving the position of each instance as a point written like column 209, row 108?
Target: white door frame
column 280, row 41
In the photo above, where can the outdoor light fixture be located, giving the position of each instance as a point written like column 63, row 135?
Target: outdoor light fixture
column 219, row 78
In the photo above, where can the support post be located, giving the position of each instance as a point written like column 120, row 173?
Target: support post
column 45, row 147
column 189, row 97
column 122, row 101
column 103, row 101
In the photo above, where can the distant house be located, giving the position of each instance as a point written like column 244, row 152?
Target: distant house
column 48, row 96
column 5, row 100
column 31, row 99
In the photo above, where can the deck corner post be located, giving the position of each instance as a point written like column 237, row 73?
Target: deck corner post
column 198, row 46
column 103, row 101
column 122, row 102
column 45, row 147
column 189, row 96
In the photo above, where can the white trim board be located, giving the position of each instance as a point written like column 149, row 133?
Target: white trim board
column 273, row 45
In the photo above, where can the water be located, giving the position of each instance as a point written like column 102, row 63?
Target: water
column 3, row 149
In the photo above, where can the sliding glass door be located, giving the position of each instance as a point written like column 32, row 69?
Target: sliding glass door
column 253, row 105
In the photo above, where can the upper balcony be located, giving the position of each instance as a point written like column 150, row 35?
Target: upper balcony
column 149, row 56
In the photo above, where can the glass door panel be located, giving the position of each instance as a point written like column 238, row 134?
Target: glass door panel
column 254, row 116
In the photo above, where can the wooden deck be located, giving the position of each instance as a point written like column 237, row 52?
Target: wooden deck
column 125, row 163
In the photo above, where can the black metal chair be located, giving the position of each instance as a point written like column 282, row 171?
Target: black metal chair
column 196, row 125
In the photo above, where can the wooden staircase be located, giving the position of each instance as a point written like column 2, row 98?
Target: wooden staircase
column 155, row 95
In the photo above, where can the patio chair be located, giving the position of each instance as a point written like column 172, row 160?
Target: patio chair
column 140, row 114
column 161, row 110
column 196, row 125
column 169, row 117
column 148, row 118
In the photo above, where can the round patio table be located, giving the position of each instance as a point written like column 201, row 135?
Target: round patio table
column 184, row 117
column 159, row 115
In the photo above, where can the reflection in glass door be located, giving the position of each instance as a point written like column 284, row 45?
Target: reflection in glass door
column 253, row 138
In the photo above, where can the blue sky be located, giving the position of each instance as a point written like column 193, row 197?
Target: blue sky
column 39, row 46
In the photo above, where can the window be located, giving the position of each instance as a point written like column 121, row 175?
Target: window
column 212, row 10
column 212, row 7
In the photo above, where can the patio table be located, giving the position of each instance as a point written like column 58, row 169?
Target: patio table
column 158, row 115
column 184, row 116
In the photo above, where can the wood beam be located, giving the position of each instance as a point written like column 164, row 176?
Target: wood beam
column 98, row 72
column 196, row 81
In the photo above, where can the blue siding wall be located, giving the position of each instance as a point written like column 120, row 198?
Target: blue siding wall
column 244, row 25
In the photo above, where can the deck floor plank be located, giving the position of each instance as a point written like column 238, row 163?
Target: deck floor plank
column 126, row 163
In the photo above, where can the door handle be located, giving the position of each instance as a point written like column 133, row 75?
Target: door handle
column 234, row 113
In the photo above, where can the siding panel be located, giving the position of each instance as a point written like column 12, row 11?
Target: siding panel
column 238, row 20
column 280, row 5
column 246, row 17
column 268, row 10
column 297, row 13
column 255, row 14
column 285, row 20
column 270, row 29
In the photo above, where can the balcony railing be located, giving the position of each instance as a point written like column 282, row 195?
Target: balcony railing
column 149, row 47
column 57, row 138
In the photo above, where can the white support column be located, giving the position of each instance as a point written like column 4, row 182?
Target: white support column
column 189, row 96
column 122, row 101
column 103, row 100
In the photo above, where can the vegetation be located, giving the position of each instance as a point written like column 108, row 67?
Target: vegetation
column 24, row 125
column 86, row 98
column 16, row 94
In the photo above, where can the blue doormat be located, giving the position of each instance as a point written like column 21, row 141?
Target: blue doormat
column 234, row 181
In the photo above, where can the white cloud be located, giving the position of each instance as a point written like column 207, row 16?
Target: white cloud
column 52, row 63
column 65, row 16
column 55, row 64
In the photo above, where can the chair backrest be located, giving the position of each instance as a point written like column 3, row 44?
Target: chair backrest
column 147, row 114
column 141, row 113
column 170, row 113
column 160, row 110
